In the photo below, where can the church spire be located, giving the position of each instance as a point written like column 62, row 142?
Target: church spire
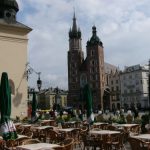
column 74, row 32
column 74, row 26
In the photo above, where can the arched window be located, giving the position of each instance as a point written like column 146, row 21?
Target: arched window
column 12, row 86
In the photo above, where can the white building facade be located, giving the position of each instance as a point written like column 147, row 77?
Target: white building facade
column 134, row 87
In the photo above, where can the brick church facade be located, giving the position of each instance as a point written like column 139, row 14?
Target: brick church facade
column 82, row 70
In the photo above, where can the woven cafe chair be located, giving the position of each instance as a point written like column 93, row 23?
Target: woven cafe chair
column 137, row 144
column 75, row 134
column 41, row 135
column 45, row 123
column 2, row 144
column 19, row 129
column 112, row 128
column 11, row 145
column 67, row 144
column 135, row 130
column 30, row 141
column 86, row 140
column 21, row 140
column 53, row 136
column 115, row 142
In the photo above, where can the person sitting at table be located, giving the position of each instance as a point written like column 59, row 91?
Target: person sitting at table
column 99, row 117
column 129, row 117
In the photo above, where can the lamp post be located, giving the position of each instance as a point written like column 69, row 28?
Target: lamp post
column 30, row 70
column 39, row 82
column 57, row 98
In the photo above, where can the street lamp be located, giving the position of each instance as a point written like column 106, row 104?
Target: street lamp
column 39, row 82
column 30, row 70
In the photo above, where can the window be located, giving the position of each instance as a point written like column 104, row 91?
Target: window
column 111, row 82
column 116, row 81
column 117, row 88
column 92, row 53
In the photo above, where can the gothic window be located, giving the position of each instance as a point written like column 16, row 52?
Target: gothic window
column 112, row 82
column 92, row 53
column 83, row 80
column 12, row 86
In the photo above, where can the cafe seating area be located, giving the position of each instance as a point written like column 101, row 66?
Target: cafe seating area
column 77, row 135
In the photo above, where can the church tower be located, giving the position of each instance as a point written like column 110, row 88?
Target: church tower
column 13, row 58
column 75, row 59
column 95, row 69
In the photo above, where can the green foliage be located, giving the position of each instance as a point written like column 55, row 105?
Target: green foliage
column 121, row 119
column 137, row 120
column 144, row 120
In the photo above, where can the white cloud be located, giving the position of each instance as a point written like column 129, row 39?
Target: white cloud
column 123, row 26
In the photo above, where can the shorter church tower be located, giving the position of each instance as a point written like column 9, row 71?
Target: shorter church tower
column 95, row 69
column 75, row 59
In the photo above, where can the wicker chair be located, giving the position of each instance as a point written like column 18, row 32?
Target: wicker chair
column 2, row 144
column 111, row 127
column 103, row 126
column 115, row 142
column 21, row 140
column 67, row 144
column 53, row 137
column 135, row 130
column 87, row 140
column 11, row 145
column 75, row 134
column 31, row 141
column 19, row 129
column 137, row 144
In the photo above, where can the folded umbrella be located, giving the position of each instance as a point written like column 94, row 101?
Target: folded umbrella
column 7, row 128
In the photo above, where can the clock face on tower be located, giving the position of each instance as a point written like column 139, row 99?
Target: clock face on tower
column 83, row 80
column 10, row 15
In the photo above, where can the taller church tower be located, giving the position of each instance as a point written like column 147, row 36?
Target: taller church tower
column 75, row 59
column 95, row 69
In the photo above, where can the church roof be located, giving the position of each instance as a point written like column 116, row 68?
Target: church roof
column 95, row 40
column 16, row 24
column 9, row 4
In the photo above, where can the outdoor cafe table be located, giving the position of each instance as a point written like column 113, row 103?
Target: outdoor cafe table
column 125, row 125
column 103, row 132
column 37, row 146
column 17, row 123
column 41, row 127
column 67, row 131
column 26, row 125
column 142, row 136
column 19, row 136
column 50, row 122
column 99, row 123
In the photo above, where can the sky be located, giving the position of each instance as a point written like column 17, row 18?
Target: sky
column 122, row 25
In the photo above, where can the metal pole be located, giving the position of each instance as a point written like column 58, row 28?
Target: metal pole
column 149, row 85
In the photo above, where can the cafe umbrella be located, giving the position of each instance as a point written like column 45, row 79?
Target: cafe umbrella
column 34, row 107
column 7, row 128
column 89, row 103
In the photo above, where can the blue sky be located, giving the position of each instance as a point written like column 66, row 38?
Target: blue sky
column 122, row 25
